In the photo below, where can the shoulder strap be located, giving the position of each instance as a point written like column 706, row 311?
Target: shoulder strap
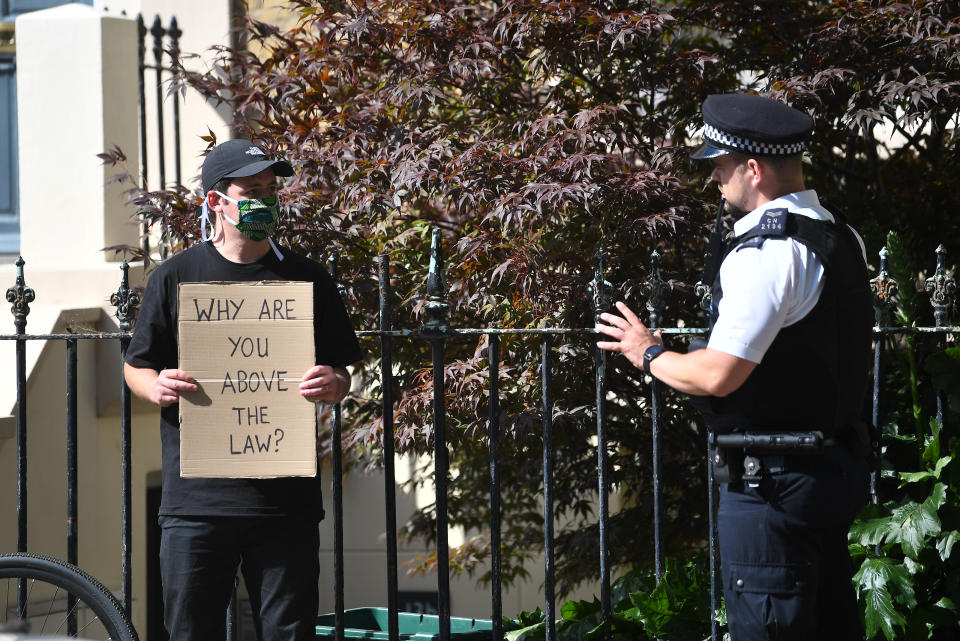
column 715, row 249
column 781, row 223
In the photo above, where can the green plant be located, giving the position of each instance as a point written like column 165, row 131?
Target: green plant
column 677, row 608
column 908, row 579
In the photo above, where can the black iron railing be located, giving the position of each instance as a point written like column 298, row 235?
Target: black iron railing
column 437, row 332
column 163, row 73
column 126, row 301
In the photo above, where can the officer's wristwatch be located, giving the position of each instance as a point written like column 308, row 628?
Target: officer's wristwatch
column 651, row 353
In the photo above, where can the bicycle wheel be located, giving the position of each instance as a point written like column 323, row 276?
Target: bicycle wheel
column 57, row 594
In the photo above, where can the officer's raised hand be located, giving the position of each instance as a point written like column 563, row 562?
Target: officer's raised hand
column 632, row 338
column 705, row 372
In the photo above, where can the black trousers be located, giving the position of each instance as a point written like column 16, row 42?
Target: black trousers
column 278, row 557
column 783, row 548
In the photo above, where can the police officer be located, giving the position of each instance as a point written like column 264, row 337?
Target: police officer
column 781, row 381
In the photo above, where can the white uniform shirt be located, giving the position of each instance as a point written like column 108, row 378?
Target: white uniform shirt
column 768, row 288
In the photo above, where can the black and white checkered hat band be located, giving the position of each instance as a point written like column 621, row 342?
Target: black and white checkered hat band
column 737, row 143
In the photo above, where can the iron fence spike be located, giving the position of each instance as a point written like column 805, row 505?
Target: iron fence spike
column 20, row 296
column 125, row 300
column 599, row 287
column 941, row 287
column 704, row 292
column 884, row 288
column 174, row 30
column 437, row 306
column 655, row 288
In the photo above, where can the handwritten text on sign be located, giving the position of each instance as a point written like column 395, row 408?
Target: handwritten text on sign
column 248, row 345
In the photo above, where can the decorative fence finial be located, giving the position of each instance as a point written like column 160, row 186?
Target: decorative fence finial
column 655, row 288
column 158, row 32
column 174, row 32
column 142, row 32
column 436, row 288
column 941, row 287
column 704, row 292
column 125, row 300
column 599, row 288
column 884, row 288
column 21, row 296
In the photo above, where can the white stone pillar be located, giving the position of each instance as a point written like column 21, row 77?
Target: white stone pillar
column 76, row 97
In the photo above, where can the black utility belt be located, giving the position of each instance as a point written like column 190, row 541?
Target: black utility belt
column 741, row 455
column 797, row 442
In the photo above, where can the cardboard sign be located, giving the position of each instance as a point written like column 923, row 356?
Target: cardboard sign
column 248, row 346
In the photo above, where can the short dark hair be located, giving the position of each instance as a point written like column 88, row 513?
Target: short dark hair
column 222, row 185
column 784, row 163
column 780, row 164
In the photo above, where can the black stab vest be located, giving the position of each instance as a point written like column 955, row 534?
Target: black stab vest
column 815, row 374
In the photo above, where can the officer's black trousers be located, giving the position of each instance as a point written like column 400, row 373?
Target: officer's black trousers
column 783, row 549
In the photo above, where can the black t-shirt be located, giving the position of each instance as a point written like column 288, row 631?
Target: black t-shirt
column 154, row 345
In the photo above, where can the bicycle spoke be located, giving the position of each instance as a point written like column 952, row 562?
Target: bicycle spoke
column 23, row 614
column 50, row 609
column 71, row 613
column 66, row 615
column 89, row 623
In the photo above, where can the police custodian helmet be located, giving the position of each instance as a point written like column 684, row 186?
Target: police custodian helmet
column 751, row 125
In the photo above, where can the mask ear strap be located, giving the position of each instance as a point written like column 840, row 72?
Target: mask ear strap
column 205, row 221
column 276, row 250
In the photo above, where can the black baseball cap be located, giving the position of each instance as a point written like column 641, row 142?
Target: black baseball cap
column 236, row 159
column 752, row 125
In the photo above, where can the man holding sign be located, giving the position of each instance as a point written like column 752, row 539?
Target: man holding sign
column 212, row 526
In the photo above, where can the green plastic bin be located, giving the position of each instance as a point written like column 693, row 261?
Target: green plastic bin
column 372, row 623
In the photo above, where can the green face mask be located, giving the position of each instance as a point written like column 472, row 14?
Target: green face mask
column 258, row 216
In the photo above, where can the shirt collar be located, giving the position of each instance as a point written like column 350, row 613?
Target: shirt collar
column 805, row 203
